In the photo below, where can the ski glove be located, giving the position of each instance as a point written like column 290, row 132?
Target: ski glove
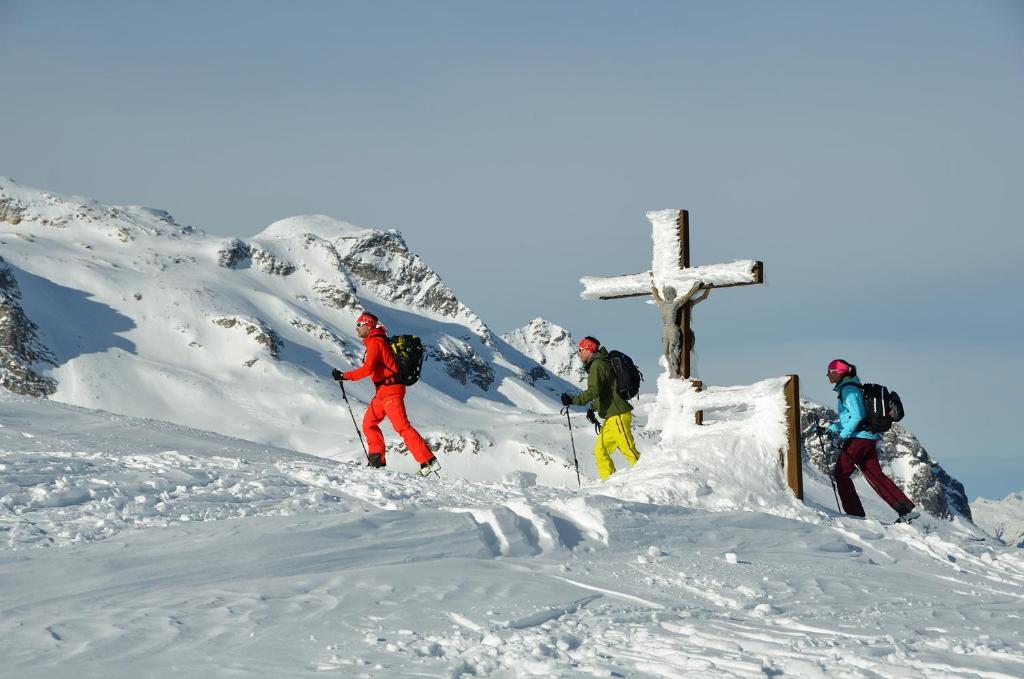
column 591, row 417
column 566, row 399
column 842, row 442
column 337, row 374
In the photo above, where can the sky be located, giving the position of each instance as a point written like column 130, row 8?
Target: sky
column 869, row 153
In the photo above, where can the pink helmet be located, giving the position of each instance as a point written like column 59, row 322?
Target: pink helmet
column 838, row 366
column 590, row 344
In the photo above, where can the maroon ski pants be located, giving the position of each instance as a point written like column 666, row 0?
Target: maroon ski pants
column 861, row 453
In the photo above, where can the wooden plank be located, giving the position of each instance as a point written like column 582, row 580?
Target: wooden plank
column 683, row 222
column 756, row 271
column 683, row 318
column 699, row 415
column 638, row 294
column 794, row 458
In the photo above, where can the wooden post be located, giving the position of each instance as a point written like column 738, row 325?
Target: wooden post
column 699, row 415
column 683, row 317
column 794, row 459
column 676, row 313
column 683, row 321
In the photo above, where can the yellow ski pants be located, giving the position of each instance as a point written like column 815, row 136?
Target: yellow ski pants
column 617, row 432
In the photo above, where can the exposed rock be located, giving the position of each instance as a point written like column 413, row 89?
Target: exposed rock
column 462, row 363
column 20, row 349
column 10, row 211
column 903, row 459
column 381, row 262
column 270, row 264
column 336, row 297
column 441, row 445
column 536, row 374
column 344, row 345
column 257, row 329
column 234, row 254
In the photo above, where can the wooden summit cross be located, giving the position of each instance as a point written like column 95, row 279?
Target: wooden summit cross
column 674, row 284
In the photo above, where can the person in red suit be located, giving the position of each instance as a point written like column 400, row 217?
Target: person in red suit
column 380, row 366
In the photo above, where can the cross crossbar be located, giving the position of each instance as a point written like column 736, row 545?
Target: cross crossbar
column 741, row 272
column 673, row 283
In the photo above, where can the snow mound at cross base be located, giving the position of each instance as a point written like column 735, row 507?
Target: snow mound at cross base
column 731, row 462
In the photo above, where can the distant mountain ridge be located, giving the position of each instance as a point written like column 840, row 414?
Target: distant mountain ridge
column 552, row 347
column 1003, row 519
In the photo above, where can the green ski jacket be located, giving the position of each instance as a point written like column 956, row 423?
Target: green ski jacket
column 601, row 387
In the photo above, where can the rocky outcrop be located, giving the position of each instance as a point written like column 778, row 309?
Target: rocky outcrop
column 259, row 331
column 233, row 255
column 335, row 296
column 10, row 211
column 902, row 457
column 20, row 349
column 462, row 363
column 380, row 261
column 268, row 263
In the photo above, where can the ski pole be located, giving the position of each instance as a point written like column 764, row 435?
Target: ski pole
column 831, row 469
column 341, row 383
column 575, row 461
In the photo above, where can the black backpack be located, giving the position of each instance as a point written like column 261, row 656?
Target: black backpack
column 627, row 376
column 409, row 354
column 881, row 407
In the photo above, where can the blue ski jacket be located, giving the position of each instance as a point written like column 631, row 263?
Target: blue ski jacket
column 851, row 411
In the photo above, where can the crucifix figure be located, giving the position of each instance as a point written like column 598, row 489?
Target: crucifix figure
column 676, row 286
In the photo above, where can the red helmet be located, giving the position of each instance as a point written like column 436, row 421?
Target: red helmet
column 590, row 344
column 368, row 320
column 840, row 367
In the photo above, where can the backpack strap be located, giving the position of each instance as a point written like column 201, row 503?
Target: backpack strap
column 860, row 388
column 396, row 376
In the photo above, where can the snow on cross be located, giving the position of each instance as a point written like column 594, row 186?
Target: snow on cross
column 673, row 283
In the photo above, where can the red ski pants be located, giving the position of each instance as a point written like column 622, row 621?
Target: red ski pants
column 861, row 453
column 390, row 401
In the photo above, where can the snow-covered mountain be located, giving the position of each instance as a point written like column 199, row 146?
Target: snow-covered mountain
column 121, row 308
column 1002, row 518
column 552, row 347
column 197, row 554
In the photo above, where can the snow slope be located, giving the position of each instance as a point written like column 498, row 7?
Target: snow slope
column 134, row 546
column 136, row 314
column 1002, row 518
column 138, row 548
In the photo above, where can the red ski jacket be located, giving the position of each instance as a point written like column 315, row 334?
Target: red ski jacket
column 380, row 363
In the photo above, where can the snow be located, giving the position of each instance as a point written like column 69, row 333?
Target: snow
column 321, row 226
column 133, row 546
column 151, row 325
column 1003, row 519
column 550, row 346
column 194, row 554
